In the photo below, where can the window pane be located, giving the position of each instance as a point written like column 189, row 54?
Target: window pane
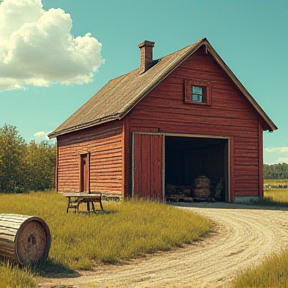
column 195, row 98
column 196, row 90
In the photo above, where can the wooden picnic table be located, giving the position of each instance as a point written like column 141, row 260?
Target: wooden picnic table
column 75, row 199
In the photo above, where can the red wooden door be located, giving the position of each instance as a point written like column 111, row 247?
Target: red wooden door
column 147, row 178
column 84, row 173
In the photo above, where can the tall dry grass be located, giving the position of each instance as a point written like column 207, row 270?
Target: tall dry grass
column 277, row 196
column 131, row 229
column 271, row 274
column 13, row 277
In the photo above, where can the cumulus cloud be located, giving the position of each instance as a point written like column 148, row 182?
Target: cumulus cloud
column 37, row 47
column 40, row 136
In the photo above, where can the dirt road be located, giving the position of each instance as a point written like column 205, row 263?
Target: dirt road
column 245, row 235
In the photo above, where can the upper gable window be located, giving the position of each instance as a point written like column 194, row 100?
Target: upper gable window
column 197, row 92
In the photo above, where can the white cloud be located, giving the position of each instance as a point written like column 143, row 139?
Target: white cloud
column 40, row 136
column 283, row 160
column 38, row 49
column 276, row 149
column 275, row 155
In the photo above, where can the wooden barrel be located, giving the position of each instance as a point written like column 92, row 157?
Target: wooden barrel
column 202, row 181
column 202, row 187
column 24, row 239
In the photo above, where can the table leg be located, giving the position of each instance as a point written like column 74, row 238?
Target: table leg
column 88, row 206
column 93, row 207
column 68, row 205
column 100, row 202
column 78, row 204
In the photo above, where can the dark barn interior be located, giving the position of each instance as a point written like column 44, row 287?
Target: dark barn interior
column 196, row 169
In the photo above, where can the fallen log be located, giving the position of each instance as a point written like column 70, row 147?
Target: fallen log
column 24, row 239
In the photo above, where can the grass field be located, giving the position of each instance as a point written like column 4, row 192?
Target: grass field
column 276, row 195
column 131, row 229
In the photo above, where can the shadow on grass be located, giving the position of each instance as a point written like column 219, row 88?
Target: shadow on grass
column 46, row 268
column 50, row 269
column 96, row 212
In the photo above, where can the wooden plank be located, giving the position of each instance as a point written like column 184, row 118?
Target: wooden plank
column 232, row 175
column 148, row 161
column 137, row 159
column 145, row 189
column 126, row 152
column 260, row 159
column 156, row 166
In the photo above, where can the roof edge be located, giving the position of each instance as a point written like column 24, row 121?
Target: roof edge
column 84, row 126
column 241, row 87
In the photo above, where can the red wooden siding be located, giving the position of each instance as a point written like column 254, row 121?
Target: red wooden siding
column 104, row 143
column 148, row 165
column 260, row 149
column 230, row 115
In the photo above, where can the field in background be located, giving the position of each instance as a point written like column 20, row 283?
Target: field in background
column 275, row 183
column 276, row 190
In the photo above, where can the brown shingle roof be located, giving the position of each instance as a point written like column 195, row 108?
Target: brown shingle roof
column 121, row 94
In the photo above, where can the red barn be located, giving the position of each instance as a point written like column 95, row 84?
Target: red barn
column 154, row 131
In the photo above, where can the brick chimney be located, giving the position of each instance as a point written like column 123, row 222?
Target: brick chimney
column 146, row 55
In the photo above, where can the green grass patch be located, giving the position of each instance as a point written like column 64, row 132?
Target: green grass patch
column 272, row 273
column 131, row 229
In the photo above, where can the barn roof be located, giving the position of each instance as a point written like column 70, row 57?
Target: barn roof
column 118, row 97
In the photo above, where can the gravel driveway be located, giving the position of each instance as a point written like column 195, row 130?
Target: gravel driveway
column 244, row 236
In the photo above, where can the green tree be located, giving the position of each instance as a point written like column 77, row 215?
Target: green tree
column 12, row 152
column 275, row 171
column 25, row 167
column 40, row 165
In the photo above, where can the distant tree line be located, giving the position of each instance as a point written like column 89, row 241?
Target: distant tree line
column 275, row 171
column 25, row 167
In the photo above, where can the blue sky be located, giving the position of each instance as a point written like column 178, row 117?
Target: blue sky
column 50, row 66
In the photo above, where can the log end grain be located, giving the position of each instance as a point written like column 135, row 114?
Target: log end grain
column 29, row 243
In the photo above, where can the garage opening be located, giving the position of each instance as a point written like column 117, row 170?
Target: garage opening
column 196, row 169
